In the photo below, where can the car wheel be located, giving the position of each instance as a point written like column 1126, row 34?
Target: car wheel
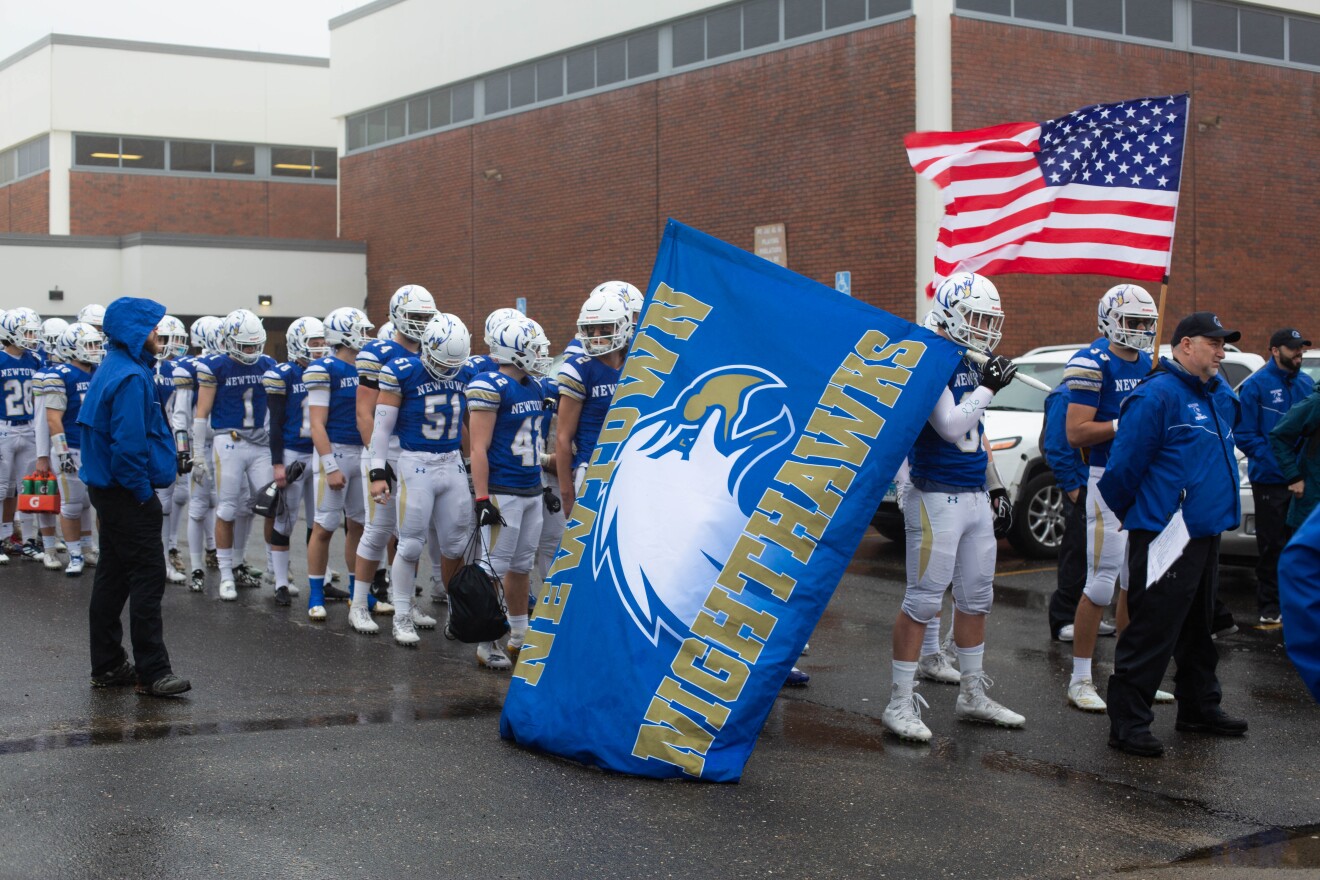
column 1038, row 518
column 888, row 521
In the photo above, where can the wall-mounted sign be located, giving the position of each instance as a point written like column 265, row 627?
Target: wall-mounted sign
column 772, row 243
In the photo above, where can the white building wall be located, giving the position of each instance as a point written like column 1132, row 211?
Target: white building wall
column 417, row 45
column 25, row 99
column 189, row 280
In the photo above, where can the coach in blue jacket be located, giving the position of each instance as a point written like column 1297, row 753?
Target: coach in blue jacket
column 1266, row 396
column 1070, row 476
column 128, row 453
column 1174, row 451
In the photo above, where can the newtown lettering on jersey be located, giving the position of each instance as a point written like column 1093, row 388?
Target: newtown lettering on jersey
column 1126, row 384
column 525, row 406
column 966, row 380
column 603, row 390
column 23, row 372
column 347, row 382
column 231, row 381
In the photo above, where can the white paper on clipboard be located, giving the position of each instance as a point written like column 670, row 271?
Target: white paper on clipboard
column 1164, row 551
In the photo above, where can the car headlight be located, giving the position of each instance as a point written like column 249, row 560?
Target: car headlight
column 1005, row 443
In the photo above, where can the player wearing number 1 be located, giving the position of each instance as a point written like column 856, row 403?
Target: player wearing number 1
column 949, row 516
column 231, row 402
column 505, row 418
column 422, row 403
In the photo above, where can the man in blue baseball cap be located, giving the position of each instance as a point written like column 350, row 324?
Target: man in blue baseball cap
column 128, row 453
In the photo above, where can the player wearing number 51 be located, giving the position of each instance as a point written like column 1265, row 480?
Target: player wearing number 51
column 1174, row 459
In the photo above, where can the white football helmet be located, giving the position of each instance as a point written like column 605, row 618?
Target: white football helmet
column 523, row 343
column 1127, row 316
column 305, row 339
column 967, row 307
column 51, row 331
column 173, row 337
column 201, row 332
column 631, row 296
column 497, row 318
column 411, row 308
column 604, row 322
column 83, row 342
column 445, row 345
column 244, row 336
column 91, row 314
column 386, row 331
column 347, row 326
column 21, row 327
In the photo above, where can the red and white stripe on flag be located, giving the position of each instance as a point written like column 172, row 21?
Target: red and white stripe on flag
column 1094, row 192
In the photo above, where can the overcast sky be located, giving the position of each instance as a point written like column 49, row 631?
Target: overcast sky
column 296, row 27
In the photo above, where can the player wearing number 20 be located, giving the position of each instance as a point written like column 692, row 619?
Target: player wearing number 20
column 950, row 516
column 505, row 417
column 422, row 402
column 232, row 399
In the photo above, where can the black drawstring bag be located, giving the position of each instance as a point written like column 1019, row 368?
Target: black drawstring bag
column 477, row 612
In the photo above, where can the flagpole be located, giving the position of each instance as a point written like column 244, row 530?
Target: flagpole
column 1159, row 316
column 1168, row 266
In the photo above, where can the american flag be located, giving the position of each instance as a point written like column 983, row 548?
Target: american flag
column 1093, row 192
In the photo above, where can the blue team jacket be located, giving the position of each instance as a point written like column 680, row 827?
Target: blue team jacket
column 1299, row 598
column 125, row 439
column 1175, row 447
column 1070, row 472
column 1266, row 395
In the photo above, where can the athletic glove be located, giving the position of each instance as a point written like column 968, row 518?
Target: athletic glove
column 1003, row 512
column 199, row 467
column 67, row 465
column 487, row 513
column 997, row 372
column 551, row 500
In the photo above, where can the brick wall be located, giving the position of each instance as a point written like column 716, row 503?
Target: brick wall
column 810, row 137
column 25, row 205
column 1248, row 185
column 120, row 204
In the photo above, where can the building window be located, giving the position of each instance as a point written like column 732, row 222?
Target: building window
column 24, row 160
column 190, row 156
column 199, row 157
column 235, row 159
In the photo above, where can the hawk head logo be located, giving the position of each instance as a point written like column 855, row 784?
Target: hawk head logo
column 677, row 502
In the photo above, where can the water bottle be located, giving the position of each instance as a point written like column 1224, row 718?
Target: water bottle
column 28, row 487
column 52, row 486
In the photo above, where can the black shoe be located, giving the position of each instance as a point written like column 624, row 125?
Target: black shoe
column 331, row 593
column 121, row 676
column 282, row 597
column 165, row 686
column 246, row 577
column 197, row 582
column 1143, row 743
column 1216, row 722
column 380, row 585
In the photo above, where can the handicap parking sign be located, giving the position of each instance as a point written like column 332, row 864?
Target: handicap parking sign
column 843, row 283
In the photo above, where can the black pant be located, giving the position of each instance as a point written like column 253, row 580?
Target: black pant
column 131, row 569
column 1072, row 564
column 1171, row 619
column 1272, row 533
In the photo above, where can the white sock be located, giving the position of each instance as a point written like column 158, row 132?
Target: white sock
column 403, row 576
column 226, row 557
column 210, row 529
column 197, row 544
column 518, row 625
column 6, row 530
column 88, row 543
column 971, row 660
column 242, row 528
column 930, row 641
column 905, row 677
column 279, row 563
column 361, row 589
column 1081, row 669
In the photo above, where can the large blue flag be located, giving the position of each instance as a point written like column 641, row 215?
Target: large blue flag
column 757, row 422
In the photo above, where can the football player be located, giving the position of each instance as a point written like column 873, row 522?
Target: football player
column 20, row 337
column 1099, row 379
column 332, row 383
column 201, row 488
column 505, row 414
column 950, row 517
column 422, row 403
column 51, row 331
column 231, row 402
column 173, row 338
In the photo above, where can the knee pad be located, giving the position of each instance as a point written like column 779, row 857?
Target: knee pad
column 330, row 520
column 410, row 549
column 279, row 539
column 71, row 510
column 1100, row 592
column 227, row 511
column 372, row 543
column 977, row 600
column 923, row 606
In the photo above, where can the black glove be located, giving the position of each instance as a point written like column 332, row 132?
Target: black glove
column 487, row 513
column 67, row 465
column 551, row 500
column 183, row 463
column 997, row 372
column 1003, row 512
column 548, row 404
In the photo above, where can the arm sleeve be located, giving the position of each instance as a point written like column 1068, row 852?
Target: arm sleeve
column 42, row 427
column 318, row 397
column 199, row 429
column 952, row 420
column 129, row 453
column 1286, row 438
column 386, row 417
column 276, row 404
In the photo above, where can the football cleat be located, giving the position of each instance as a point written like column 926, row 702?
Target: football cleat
column 379, row 607
column 174, row 577
column 936, row 667
column 336, row 594
column 405, row 633
column 331, row 576
column 75, row 567
column 212, row 560
column 51, row 561
column 796, row 678
column 975, row 705
column 513, row 647
column 31, row 550
column 197, row 582
column 1082, row 695
column 316, row 612
column 902, row 717
column 91, row 555
column 1106, row 629
column 176, row 561
column 227, row 591
column 1164, row 697
column 489, row 656
column 282, row 597
column 420, row 619
column 360, row 619
column 245, row 576
column 4, row 559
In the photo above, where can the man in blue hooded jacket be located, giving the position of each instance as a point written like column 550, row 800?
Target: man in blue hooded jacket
column 1174, row 457
column 128, row 453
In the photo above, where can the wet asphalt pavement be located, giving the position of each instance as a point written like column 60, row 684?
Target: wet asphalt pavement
column 311, row 751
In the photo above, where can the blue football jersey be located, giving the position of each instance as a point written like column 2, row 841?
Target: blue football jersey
column 164, row 376
column 475, row 365
column 591, row 381
column 1097, row 377
column 286, row 380
column 65, row 387
column 240, row 398
column 430, row 410
column 574, row 347
column 16, row 377
column 341, row 380
column 375, row 355
column 960, row 464
column 515, row 448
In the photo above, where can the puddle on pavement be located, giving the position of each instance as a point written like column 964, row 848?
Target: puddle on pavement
column 807, row 724
column 1275, row 848
column 108, row 732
